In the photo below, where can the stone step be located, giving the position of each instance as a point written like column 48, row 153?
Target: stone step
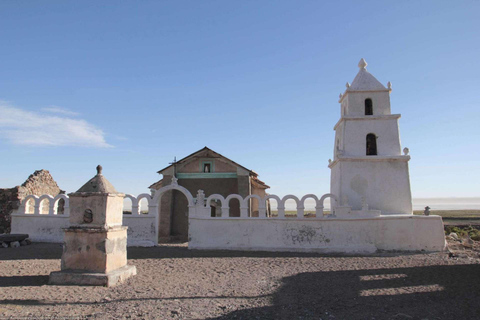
column 13, row 237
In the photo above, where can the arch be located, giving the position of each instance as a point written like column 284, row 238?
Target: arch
column 243, row 209
column 280, row 207
column 57, row 204
column 297, row 201
column 150, row 205
column 217, row 196
column 42, row 207
column 134, row 203
column 64, row 197
column 262, row 211
column 144, row 196
column 161, row 191
column 290, row 196
column 30, row 196
column 321, row 206
column 133, row 199
column 35, row 204
column 368, row 107
column 154, row 202
column 371, row 144
column 235, row 196
column 307, row 196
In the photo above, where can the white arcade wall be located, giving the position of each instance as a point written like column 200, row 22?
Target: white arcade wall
column 347, row 231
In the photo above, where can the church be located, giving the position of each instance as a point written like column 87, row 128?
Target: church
column 211, row 172
column 215, row 203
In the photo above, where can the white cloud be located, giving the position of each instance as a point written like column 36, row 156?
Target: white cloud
column 60, row 110
column 35, row 129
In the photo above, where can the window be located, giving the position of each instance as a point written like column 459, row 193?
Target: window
column 207, row 167
column 371, row 144
column 368, row 107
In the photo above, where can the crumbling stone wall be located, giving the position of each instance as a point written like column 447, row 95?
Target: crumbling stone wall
column 9, row 202
column 39, row 183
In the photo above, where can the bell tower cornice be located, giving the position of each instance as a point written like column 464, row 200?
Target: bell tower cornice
column 362, row 118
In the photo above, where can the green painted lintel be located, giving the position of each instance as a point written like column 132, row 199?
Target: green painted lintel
column 210, row 175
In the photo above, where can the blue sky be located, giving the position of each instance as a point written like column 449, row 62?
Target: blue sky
column 132, row 84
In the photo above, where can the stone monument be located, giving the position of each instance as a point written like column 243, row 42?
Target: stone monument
column 95, row 244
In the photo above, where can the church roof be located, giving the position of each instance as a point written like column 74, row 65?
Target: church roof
column 260, row 183
column 212, row 153
column 364, row 80
column 98, row 184
column 157, row 185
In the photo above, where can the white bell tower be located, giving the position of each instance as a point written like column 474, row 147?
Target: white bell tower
column 368, row 169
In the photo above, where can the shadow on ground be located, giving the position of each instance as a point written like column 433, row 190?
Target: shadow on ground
column 19, row 281
column 34, row 251
column 436, row 292
column 177, row 251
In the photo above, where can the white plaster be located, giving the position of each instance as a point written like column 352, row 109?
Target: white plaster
column 384, row 183
column 362, row 235
column 142, row 230
column 203, row 210
column 382, row 179
column 42, row 227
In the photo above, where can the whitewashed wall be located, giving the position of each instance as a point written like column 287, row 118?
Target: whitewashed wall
column 142, row 229
column 42, row 227
column 346, row 230
column 362, row 235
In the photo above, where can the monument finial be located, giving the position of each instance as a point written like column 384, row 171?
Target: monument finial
column 362, row 64
column 99, row 169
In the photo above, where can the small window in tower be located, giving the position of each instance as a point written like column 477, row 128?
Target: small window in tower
column 368, row 107
column 207, row 167
column 371, row 144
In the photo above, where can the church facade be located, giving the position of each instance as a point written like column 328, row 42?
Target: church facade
column 211, row 172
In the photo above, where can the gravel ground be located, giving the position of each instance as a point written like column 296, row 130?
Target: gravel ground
column 175, row 283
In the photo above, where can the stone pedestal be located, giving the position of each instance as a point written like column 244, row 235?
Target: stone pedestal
column 95, row 244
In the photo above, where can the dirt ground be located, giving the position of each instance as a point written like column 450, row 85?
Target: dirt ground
column 175, row 283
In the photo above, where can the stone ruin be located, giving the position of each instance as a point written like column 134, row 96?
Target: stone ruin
column 39, row 183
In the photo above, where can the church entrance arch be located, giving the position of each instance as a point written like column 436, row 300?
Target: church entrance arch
column 173, row 222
